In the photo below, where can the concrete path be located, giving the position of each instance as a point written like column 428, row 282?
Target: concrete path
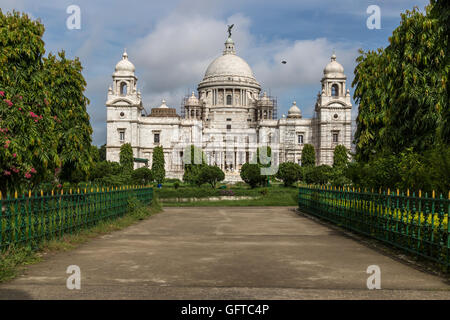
column 224, row 253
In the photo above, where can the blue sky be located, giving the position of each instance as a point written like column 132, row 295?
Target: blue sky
column 171, row 43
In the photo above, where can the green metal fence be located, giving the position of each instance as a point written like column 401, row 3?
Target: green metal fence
column 415, row 223
column 30, row 219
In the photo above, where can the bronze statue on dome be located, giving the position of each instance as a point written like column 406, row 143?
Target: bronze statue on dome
column 229, row 30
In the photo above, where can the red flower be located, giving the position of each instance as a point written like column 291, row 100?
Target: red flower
column 45, row 101
column 2, row 93
column 33, row 170
column 7, row 173
column 27, row 175
column 14, row 155
column 8, row 102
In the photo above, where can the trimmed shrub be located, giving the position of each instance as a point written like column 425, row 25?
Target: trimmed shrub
column 142, row 176
column 126, row 157
column 158, row 165
column 308, row 156
column 289, row 172
column 251, row 174
column 211, row 175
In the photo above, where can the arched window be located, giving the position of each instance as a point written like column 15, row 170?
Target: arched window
column 334, row 90
column 229, row 101
column 123, row 89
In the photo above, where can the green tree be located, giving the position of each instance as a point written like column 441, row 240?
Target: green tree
column 126, row 157
column 34, row 94
column 308, row 156
column 402, row 90
column 158, row 164
column 102, row 152
column 142, row 176
column 65, row 85
column 340, row 157
column 104, row 168
column 321, row 174
column 27, row 131
column 194, row 159
column 289, row 172
column 251, row 174
column 211, row 175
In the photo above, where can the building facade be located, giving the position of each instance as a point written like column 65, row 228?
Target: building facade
column 228, row 118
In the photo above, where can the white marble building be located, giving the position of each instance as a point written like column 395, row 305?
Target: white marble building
column 228, row 118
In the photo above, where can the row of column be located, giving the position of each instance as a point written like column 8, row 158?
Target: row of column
column 242, row 96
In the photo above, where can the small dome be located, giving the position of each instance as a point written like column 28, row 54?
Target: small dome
column 294, row 111
column 192, row 101
column 163, row 105
column 124, row 66
column 334, row 68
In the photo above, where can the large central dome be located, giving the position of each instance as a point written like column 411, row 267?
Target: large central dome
column 229, row 65
column 229, row 68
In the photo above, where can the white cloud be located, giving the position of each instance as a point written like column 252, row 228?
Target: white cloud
column 174, row 56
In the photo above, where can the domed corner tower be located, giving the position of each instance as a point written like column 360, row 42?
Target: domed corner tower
column 124, row 107
column 333, row 113
column 228, row 93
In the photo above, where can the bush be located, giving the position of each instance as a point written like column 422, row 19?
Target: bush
column 191, row 174
column 211, row 175
column 126, row 157
column 176, row 185
column 289, row 172
column 318, row 175
column 142, row 176
column 251, row 174
column 104, row 168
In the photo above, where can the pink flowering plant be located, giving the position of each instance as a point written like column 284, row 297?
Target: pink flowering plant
column 44, row 122
column 27, row 137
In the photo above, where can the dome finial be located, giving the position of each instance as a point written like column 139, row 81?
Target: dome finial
column 333, row 56
column 125, row 55
column 229, row 44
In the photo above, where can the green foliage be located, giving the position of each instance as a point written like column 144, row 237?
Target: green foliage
column 318, row 175
column 158, row 164
column 194, row 160
column 102, row 153
column 402, row 91
column 308, row 156
column 289, row 172
column 409, row 170
column 142, row 176
column 176, row 185
column 65, row 85
column 251, row 174
column 340, row 157
column 403, row 132
column 126, row 157
column 43, row 119
column 211, row 175
column 104, row 168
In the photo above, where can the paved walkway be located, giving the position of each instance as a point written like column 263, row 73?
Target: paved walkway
column 224, row 253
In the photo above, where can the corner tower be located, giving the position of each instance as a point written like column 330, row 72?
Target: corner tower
column 333, row 113
column 124, row 107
